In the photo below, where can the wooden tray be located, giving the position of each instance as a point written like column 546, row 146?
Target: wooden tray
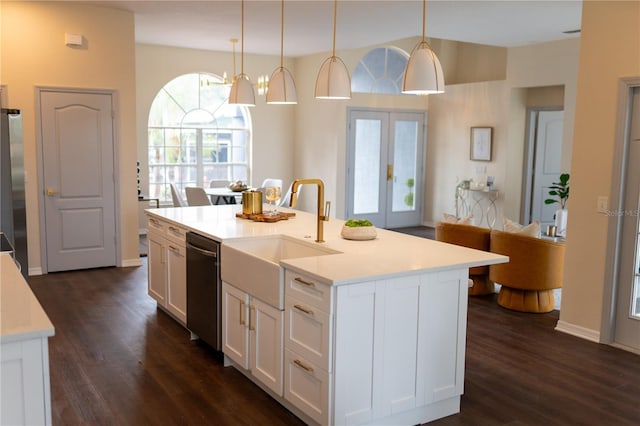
column 261, row 217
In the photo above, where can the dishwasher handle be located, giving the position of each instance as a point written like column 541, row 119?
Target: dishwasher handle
column 203, row 252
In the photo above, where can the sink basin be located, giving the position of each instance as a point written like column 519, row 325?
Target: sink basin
column 252, row 264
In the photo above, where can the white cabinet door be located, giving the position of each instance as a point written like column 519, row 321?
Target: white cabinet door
column 157, row 278
column 265, row 326
column 177, row 281
column 235, row 336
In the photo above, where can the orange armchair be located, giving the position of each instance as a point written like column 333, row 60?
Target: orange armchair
column 473, row 237
column 534, row 269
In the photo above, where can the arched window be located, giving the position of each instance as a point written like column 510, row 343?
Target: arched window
column 195, row 136
column 380, row 71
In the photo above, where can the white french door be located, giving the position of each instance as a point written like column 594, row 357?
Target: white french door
column 385, row 167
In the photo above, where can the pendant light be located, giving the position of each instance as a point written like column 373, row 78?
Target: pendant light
column 333, row 81
column 242, row 90
column 423, row 74
column 281, row 88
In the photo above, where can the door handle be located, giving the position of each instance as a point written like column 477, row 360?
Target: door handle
column 389, row 171
column 51, row 192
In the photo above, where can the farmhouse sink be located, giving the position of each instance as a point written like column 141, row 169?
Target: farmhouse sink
column 253, row 264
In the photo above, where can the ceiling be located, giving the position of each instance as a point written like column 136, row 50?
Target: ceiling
column 308, row 24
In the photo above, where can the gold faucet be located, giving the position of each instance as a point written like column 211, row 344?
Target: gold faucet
column 322, row 216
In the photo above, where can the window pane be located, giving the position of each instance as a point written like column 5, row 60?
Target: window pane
column 367, row 167
column 193, row 135
column 404, row 165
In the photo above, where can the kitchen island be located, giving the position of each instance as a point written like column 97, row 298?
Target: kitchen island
column 24, row 353
column 372, row 332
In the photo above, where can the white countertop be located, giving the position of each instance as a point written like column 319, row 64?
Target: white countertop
column 21, row 315
column 391, row 254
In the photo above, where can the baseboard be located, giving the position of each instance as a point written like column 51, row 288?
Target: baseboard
column 35, row 271
column 429, row 224
column 576, row 330
column 126, row 263
column 143, row 231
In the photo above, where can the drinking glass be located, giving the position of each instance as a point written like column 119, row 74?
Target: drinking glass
column 273, row 194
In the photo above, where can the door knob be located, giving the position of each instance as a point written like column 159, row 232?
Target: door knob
column 389, row 171
column 51, row 192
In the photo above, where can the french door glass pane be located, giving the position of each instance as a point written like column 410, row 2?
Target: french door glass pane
column 367, row 166
column 404, row 165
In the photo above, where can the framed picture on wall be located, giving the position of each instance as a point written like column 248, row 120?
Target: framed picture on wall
column 481, row 143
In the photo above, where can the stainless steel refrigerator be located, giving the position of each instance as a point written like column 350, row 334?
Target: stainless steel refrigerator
column 13, row 217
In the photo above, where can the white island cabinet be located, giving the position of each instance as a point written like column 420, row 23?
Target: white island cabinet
column 167, row 282
column 387, row 351
column 25, row 397
column 372, row 332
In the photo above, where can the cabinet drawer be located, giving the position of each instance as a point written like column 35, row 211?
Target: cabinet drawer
column 307, row 387
column 308, row 290
column 176, row 233
column 307, row 331
column 157, row 225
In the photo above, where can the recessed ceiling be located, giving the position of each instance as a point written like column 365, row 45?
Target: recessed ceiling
column 308, row 24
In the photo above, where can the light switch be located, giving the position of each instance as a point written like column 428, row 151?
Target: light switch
column 603, row 204
column 481, row 170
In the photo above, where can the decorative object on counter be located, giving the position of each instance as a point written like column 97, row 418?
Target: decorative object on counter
column 273, row 195
column 560, row 191
column 251, row 202
column 423, row 74
column 333, row 81
column 263, row 217
column 358, row 229
column 238, row 186
column 481, row 143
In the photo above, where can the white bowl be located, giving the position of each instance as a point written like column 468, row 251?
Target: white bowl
column 359, row 232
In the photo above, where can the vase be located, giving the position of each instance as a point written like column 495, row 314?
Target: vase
column 561, row 222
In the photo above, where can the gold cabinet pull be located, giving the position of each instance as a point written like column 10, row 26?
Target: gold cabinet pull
column 51, row 192
column 303, row 309
column 389, row 171
column 242, row 313
column 252, row 314
column 301, row 281
column 302, row 365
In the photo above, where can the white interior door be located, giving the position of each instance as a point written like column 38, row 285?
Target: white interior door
column 78, row 179
column 385, row 167
column 627, row 317
column 547, row 165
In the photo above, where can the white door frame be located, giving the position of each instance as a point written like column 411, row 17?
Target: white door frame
column 40, row 165
column 529, row 156
column 616, row 199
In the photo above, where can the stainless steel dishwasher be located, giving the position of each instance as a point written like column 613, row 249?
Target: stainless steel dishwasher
column 204, row 313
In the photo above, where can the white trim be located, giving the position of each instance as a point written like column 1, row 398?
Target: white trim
column 126, row 263
column 35, row 271
column 578, row 331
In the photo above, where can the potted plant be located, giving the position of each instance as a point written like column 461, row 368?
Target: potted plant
column 358, row 229
column 560, row 193
column 408, row 199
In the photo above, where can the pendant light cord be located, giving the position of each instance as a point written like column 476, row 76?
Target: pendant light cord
column 424, row 19
column 335, row 14
column 242, row 40
column 282, row 35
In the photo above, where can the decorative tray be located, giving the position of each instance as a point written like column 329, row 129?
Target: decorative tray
column 261, row 217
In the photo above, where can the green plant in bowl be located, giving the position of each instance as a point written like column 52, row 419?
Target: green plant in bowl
column 356, row 223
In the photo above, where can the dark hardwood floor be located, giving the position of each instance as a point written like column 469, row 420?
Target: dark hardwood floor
column 117, row 360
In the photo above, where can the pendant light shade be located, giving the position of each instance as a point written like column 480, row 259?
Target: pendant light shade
column 333, row 81
column 423, row 74
column 242, row 90
column 281, row 89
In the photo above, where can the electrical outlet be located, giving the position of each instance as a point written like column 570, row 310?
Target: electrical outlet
column 603, row 204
